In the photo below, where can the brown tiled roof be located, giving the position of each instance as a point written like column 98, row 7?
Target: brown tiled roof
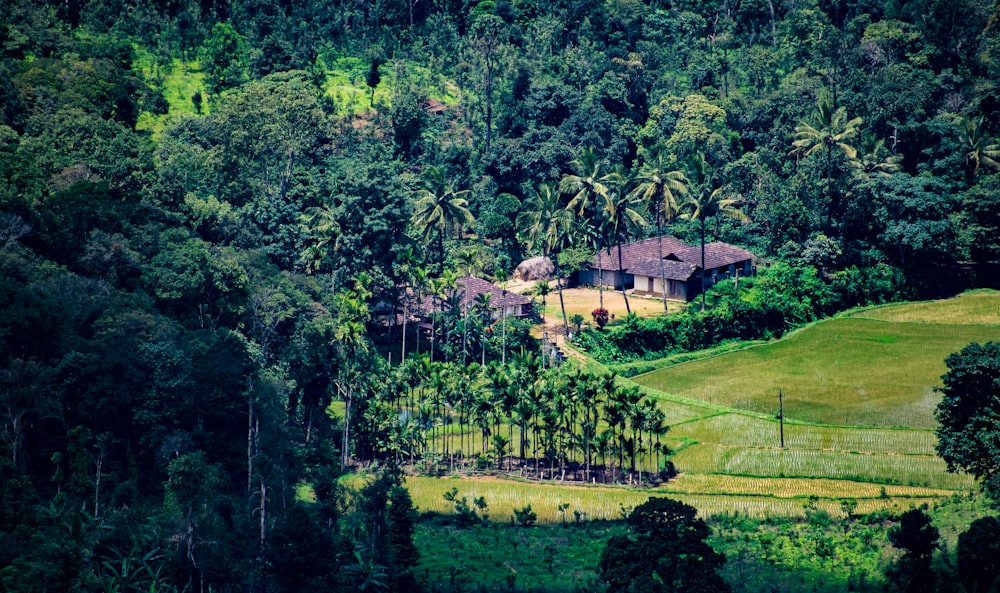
column 469, row 287
column 637, row 251
column 474, row 287
column 672, row 270
column 717, row 255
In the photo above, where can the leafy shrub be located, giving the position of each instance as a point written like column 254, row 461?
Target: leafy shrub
column 781, row 298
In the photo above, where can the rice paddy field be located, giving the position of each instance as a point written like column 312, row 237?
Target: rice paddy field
column 858, row 397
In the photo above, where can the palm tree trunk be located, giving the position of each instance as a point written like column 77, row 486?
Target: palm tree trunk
column 704, row 282
column 663, row 271
column 562, row 304
column 621, row 276
column 402, row 349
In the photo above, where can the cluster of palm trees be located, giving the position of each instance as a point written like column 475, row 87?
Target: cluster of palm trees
column 601, row 209
column 555, row 423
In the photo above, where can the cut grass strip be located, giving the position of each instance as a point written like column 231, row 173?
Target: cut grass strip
column 976, row 307
column 595, row 502
column 912, row 470
column 747, row 431
column 690, row 483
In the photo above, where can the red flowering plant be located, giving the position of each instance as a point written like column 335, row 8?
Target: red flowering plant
column 600, row 316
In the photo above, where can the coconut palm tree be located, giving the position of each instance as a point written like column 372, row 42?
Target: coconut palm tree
column 704, row 202
column 979, row 151
column 467, row 259
column 589, row 195
column 827, row 131
column 621, row 214
column 874, row 159
column 660, row 187
column 547, row 226
column 585, row 183
column 440, row 208
column 320, row 222
column 543, row 289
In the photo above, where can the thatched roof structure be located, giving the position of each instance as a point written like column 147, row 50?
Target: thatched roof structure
column 536, row 268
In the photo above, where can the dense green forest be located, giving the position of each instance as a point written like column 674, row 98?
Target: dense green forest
column 214, row 214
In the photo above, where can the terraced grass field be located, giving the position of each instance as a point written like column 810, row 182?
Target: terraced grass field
column 859, row 399
column 848, row 371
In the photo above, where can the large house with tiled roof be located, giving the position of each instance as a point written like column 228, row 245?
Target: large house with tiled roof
column 639, row 268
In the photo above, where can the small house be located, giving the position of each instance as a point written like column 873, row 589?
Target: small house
column 639, row 268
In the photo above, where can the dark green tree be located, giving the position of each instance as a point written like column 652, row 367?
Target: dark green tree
column 225, row 58
column 664, row 552
column 968, row 413
column 979, row 556
column 918, row 539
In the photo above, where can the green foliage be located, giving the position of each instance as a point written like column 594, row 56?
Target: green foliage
column 524, row 517
column 665, row 551
column 978, row 555
column 967, row 412
column 169, row 171
column 225, row 59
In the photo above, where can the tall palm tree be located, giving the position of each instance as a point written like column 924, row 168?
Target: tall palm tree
column 621, row 216
column 585, row 183
column 829, row 129
column 482, row 307
column 543, row 289
column 406, row 269
column 547, row 226
column 704, row 202
column 589, row 192
column 979, row 151
column 467, row 260
column 660, row 187
column 440, row 208
column 321, row 223
column 874, row 159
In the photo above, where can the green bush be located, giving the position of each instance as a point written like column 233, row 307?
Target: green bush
column 781, row 298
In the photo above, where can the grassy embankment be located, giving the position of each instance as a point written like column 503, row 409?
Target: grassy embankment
column 859, row 400
column 843, row 444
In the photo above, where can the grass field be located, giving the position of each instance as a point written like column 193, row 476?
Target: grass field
column 710, row 494
column 179, row 81
column 976, row 307
column 583, row 300
column 849, row 371
column 858, row 403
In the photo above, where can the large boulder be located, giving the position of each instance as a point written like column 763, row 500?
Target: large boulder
column 536, row 268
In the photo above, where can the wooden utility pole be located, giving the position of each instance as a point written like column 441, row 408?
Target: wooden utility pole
column 781, row 418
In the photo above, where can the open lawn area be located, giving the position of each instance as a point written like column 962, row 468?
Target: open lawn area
column 584, row 300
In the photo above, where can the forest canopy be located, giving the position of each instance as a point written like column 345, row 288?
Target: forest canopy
column 214, row 214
